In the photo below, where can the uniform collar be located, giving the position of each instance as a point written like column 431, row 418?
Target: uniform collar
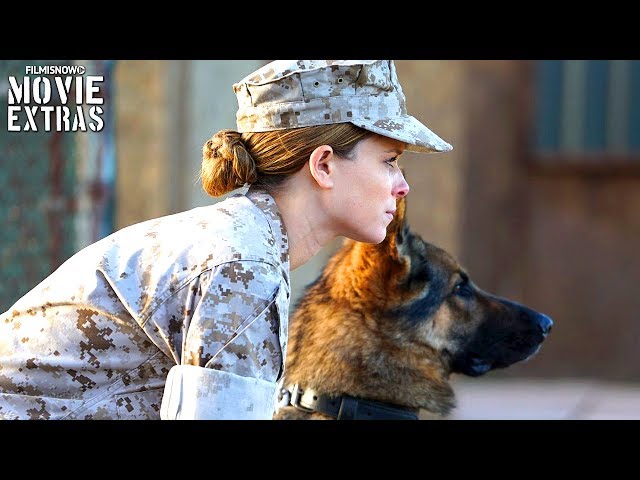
column 267, row 204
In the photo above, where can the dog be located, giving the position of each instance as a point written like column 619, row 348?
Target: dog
column 380, row 332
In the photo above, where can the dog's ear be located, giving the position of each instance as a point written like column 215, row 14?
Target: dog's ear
column 397, row 229
column 398, row 223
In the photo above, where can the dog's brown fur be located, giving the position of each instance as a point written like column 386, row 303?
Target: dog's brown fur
column 390, row 322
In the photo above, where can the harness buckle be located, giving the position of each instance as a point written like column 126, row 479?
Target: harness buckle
column 296, row 395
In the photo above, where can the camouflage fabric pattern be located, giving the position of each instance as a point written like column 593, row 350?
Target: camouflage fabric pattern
column 299, row 93
column 96, row 339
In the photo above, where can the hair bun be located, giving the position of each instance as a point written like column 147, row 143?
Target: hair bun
column 226, row 164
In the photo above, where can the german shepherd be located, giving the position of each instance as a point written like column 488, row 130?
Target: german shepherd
column 379, row 333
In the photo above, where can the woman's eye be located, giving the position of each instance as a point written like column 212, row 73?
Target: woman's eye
column 392, row 162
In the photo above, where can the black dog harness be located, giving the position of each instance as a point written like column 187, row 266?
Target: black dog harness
column 343, row 407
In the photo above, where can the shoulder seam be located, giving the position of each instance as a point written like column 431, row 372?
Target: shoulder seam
column 168, row 293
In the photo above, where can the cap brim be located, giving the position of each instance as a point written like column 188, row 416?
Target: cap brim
column 409, row 130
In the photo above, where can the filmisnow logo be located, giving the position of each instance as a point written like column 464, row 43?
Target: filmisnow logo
column 37, row 101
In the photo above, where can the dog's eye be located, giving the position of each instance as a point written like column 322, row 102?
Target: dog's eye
column 462, row 289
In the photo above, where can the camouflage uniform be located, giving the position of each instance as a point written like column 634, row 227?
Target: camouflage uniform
column 183, row 316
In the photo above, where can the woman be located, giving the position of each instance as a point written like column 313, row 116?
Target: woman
column 185, row 316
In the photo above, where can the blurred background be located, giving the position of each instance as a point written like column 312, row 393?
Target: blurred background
column 539, row 199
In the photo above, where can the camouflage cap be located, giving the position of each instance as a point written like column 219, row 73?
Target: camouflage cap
column 299, row 93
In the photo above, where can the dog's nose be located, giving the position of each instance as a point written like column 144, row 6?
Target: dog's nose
column 545, row 324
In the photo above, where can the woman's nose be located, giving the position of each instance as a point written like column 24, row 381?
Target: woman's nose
column 402, row 188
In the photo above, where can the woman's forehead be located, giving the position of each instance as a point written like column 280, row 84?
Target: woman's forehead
column 383, row 144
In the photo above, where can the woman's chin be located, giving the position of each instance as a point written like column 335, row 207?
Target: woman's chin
column 365, row 232
column 371, row 236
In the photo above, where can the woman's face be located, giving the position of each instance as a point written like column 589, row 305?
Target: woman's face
column 366, row 188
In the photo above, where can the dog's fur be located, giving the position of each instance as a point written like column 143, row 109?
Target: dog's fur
column 391, row 322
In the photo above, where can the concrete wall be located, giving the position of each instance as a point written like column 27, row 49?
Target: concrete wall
column 167, row 109
column 564, row 241
column 143, row 149
column 435, row 95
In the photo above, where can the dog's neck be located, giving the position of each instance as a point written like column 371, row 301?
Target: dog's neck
column 365, row 372
column 431, row 392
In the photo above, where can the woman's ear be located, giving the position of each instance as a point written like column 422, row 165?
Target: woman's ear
column 321, row 166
